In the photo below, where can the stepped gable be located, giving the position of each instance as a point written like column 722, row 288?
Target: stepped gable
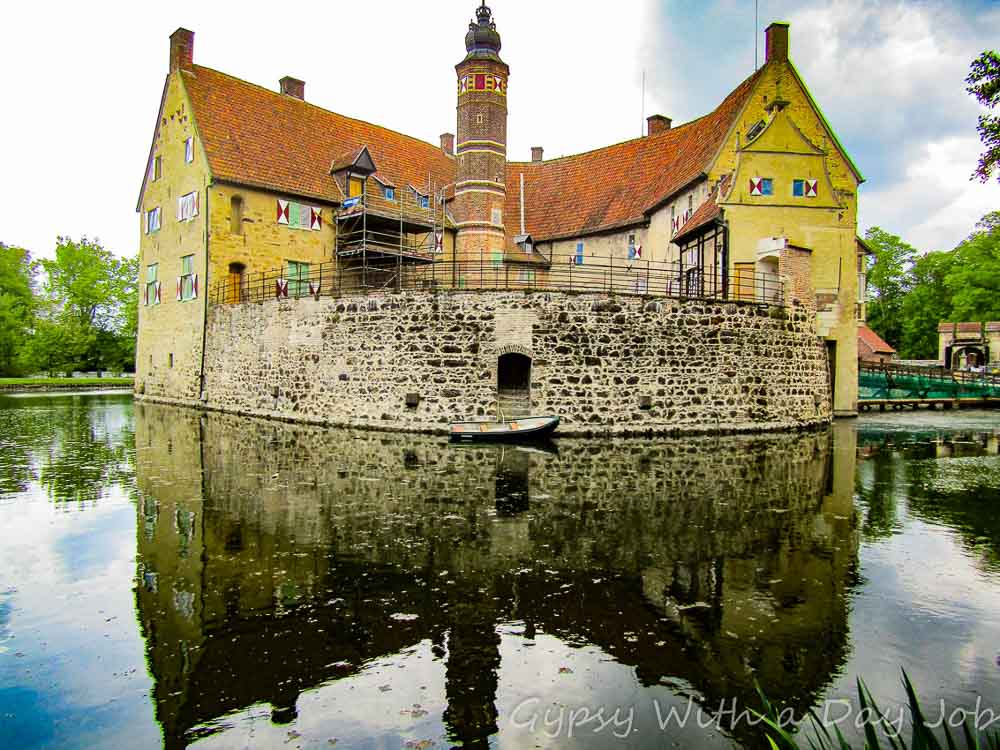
column 261, row 138
column 618, row 185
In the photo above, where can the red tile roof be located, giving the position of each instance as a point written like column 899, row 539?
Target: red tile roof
column 257, row 137
column 618, row 185
column 707, row 211
column 873, row 341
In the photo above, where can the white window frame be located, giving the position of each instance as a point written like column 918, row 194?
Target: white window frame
column 189, row 150
column 153, row 217
column 187, row 206
column 187, row 279
column 152, row 272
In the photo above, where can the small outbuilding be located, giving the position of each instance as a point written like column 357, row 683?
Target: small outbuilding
column 872, row 347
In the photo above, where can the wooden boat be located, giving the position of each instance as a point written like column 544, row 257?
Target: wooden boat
column 528, row 428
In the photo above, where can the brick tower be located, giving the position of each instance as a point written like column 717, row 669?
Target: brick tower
column 481, row 147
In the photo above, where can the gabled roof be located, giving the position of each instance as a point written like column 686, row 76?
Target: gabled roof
column 358, row 160
column 707, row 212
column 619, row 185
column 873, row 341
column 260, row 138
column 826, row 125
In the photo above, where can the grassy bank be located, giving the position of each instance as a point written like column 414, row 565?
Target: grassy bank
column 31, row 384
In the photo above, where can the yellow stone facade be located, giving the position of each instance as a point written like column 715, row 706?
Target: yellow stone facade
column 234, row 236
column 169, row 349
column 797, row 144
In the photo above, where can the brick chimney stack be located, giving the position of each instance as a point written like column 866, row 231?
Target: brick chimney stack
column 657, row 124
column 776, row 42
column 293, row 87
column 537, row 153
column 448, row 143
column 181, row 50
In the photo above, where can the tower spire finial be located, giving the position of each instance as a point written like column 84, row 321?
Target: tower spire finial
column 483, row 36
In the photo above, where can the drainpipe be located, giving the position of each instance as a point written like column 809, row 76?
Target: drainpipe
column 204, row 297
column 522, row 202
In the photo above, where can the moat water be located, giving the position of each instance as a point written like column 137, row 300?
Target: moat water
column 169, row 578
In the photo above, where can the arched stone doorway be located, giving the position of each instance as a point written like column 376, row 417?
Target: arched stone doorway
column 965, row 357
column 514, row 384
column 235, row 283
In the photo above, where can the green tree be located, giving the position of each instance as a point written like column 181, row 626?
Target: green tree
column 984, row 84
column 927, row 304
column 90, row 293
column 889, row 282
column 974, row 277
column 17, row 306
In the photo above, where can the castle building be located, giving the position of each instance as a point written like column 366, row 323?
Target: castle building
column 252, row 193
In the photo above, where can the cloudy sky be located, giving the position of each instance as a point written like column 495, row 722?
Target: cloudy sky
column 83, row 82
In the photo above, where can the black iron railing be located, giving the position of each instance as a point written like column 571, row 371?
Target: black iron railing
column 563, row 274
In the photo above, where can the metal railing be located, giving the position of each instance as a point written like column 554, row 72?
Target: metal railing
column 492, row 273
column 891, row 370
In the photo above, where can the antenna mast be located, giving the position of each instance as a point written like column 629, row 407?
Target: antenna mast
column 755, row 35
column 642, row 122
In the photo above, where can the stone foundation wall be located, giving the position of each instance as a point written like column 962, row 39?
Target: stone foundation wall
column 605, row 365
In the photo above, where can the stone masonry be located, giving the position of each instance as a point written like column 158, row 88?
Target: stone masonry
column 417, row 361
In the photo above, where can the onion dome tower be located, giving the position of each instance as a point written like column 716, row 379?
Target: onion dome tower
column 481, row 146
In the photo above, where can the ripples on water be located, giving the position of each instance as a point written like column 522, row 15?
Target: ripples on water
column 173, row 578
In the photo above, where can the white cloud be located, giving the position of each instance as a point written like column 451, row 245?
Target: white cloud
column 934, row 204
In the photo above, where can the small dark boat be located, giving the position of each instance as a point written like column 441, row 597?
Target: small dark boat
column 508, row 430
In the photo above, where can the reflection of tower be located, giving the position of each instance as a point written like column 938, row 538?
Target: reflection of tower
column 512, row 489
column 481, row 147
column 471, row 674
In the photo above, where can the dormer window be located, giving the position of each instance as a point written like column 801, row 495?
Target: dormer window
column 422, row 200
column 355, row 186
column 389, row 193
column 524, row 243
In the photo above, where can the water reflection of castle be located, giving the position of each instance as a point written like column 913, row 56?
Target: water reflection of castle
column 271, row 557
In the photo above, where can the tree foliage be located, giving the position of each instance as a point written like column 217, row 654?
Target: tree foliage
column 17, row 306
column 80, row 316
column 889, row 282
column 911, row 293
column 984, row 84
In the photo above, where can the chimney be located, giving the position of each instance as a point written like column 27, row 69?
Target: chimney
column 181, row 50
column 293, row 87
column 656, row 124
column 776, row 42
column 448, row 143
column 536, row 154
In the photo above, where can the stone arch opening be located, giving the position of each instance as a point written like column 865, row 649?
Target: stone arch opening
column 235, row 283
column 514, row 384
column 967, row 356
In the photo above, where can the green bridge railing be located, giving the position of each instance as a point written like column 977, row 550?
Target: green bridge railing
column 880, row 381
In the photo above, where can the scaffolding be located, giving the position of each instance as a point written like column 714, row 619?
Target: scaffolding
column 382, row 238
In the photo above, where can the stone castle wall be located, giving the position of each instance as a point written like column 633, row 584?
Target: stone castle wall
column 605, row 365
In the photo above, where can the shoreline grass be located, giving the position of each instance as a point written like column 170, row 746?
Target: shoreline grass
column 63, row 382
column 878, row 730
